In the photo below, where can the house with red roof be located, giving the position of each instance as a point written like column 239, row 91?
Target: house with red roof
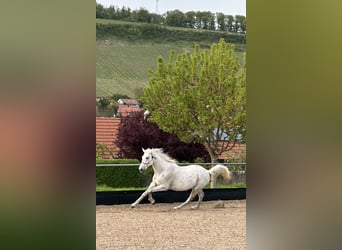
column 108, row 127
column 127, row 106
column 106, row 133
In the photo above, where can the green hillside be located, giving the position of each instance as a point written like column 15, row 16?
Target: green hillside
column 122, row 60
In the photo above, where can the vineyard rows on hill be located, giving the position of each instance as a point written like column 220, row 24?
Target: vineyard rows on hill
column 122, row 67
column 123, row 58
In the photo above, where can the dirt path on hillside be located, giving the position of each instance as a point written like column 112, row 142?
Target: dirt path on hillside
column 160, row 227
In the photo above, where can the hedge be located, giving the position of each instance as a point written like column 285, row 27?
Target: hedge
column 118, row 176
column 129, row 176
column 117, row 161
column 157, row 33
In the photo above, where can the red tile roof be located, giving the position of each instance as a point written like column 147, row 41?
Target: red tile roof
column 106, row 132
column 238, row 151
column 125, row 110
column 128, row 101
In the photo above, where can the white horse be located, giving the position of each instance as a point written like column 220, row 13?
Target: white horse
column 168, row 175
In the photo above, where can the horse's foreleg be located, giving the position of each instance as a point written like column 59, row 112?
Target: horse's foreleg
column 150, row 198
column 152, row 188
column 142, row 196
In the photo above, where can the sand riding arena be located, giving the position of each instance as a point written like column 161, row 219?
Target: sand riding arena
column 215, row 225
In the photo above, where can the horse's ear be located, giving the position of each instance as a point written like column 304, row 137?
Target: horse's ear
column 143, row 150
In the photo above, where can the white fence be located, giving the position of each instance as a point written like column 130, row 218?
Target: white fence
column 238, row 170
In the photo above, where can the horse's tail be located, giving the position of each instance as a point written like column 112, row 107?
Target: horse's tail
column 219, row 170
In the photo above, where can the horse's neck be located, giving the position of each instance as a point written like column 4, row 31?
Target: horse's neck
column 160, row 165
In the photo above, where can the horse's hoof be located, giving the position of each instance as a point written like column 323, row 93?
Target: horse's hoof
column 194, row 207
column 132, row 205
column 176, row 208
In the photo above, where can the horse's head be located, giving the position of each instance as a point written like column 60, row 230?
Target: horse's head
column 146, row 160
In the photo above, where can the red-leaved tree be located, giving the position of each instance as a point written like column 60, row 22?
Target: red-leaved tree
column 135, row 133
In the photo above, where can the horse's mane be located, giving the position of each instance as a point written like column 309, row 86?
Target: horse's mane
column 163, row 155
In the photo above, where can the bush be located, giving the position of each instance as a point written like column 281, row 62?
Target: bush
column 136, row 132
column 101, row 149
column 118, row 176
column 199, row 160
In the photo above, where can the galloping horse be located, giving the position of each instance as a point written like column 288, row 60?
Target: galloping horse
column 168, row 175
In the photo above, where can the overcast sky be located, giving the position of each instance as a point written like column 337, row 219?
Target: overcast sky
column 228, row 7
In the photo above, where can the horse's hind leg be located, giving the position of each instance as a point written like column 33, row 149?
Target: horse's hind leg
column 150, row 198
column 190, row 198
column 200, row 198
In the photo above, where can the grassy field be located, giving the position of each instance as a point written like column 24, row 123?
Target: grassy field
column 121, row 64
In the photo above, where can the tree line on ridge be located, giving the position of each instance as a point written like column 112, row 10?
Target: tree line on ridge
column 205, row 20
